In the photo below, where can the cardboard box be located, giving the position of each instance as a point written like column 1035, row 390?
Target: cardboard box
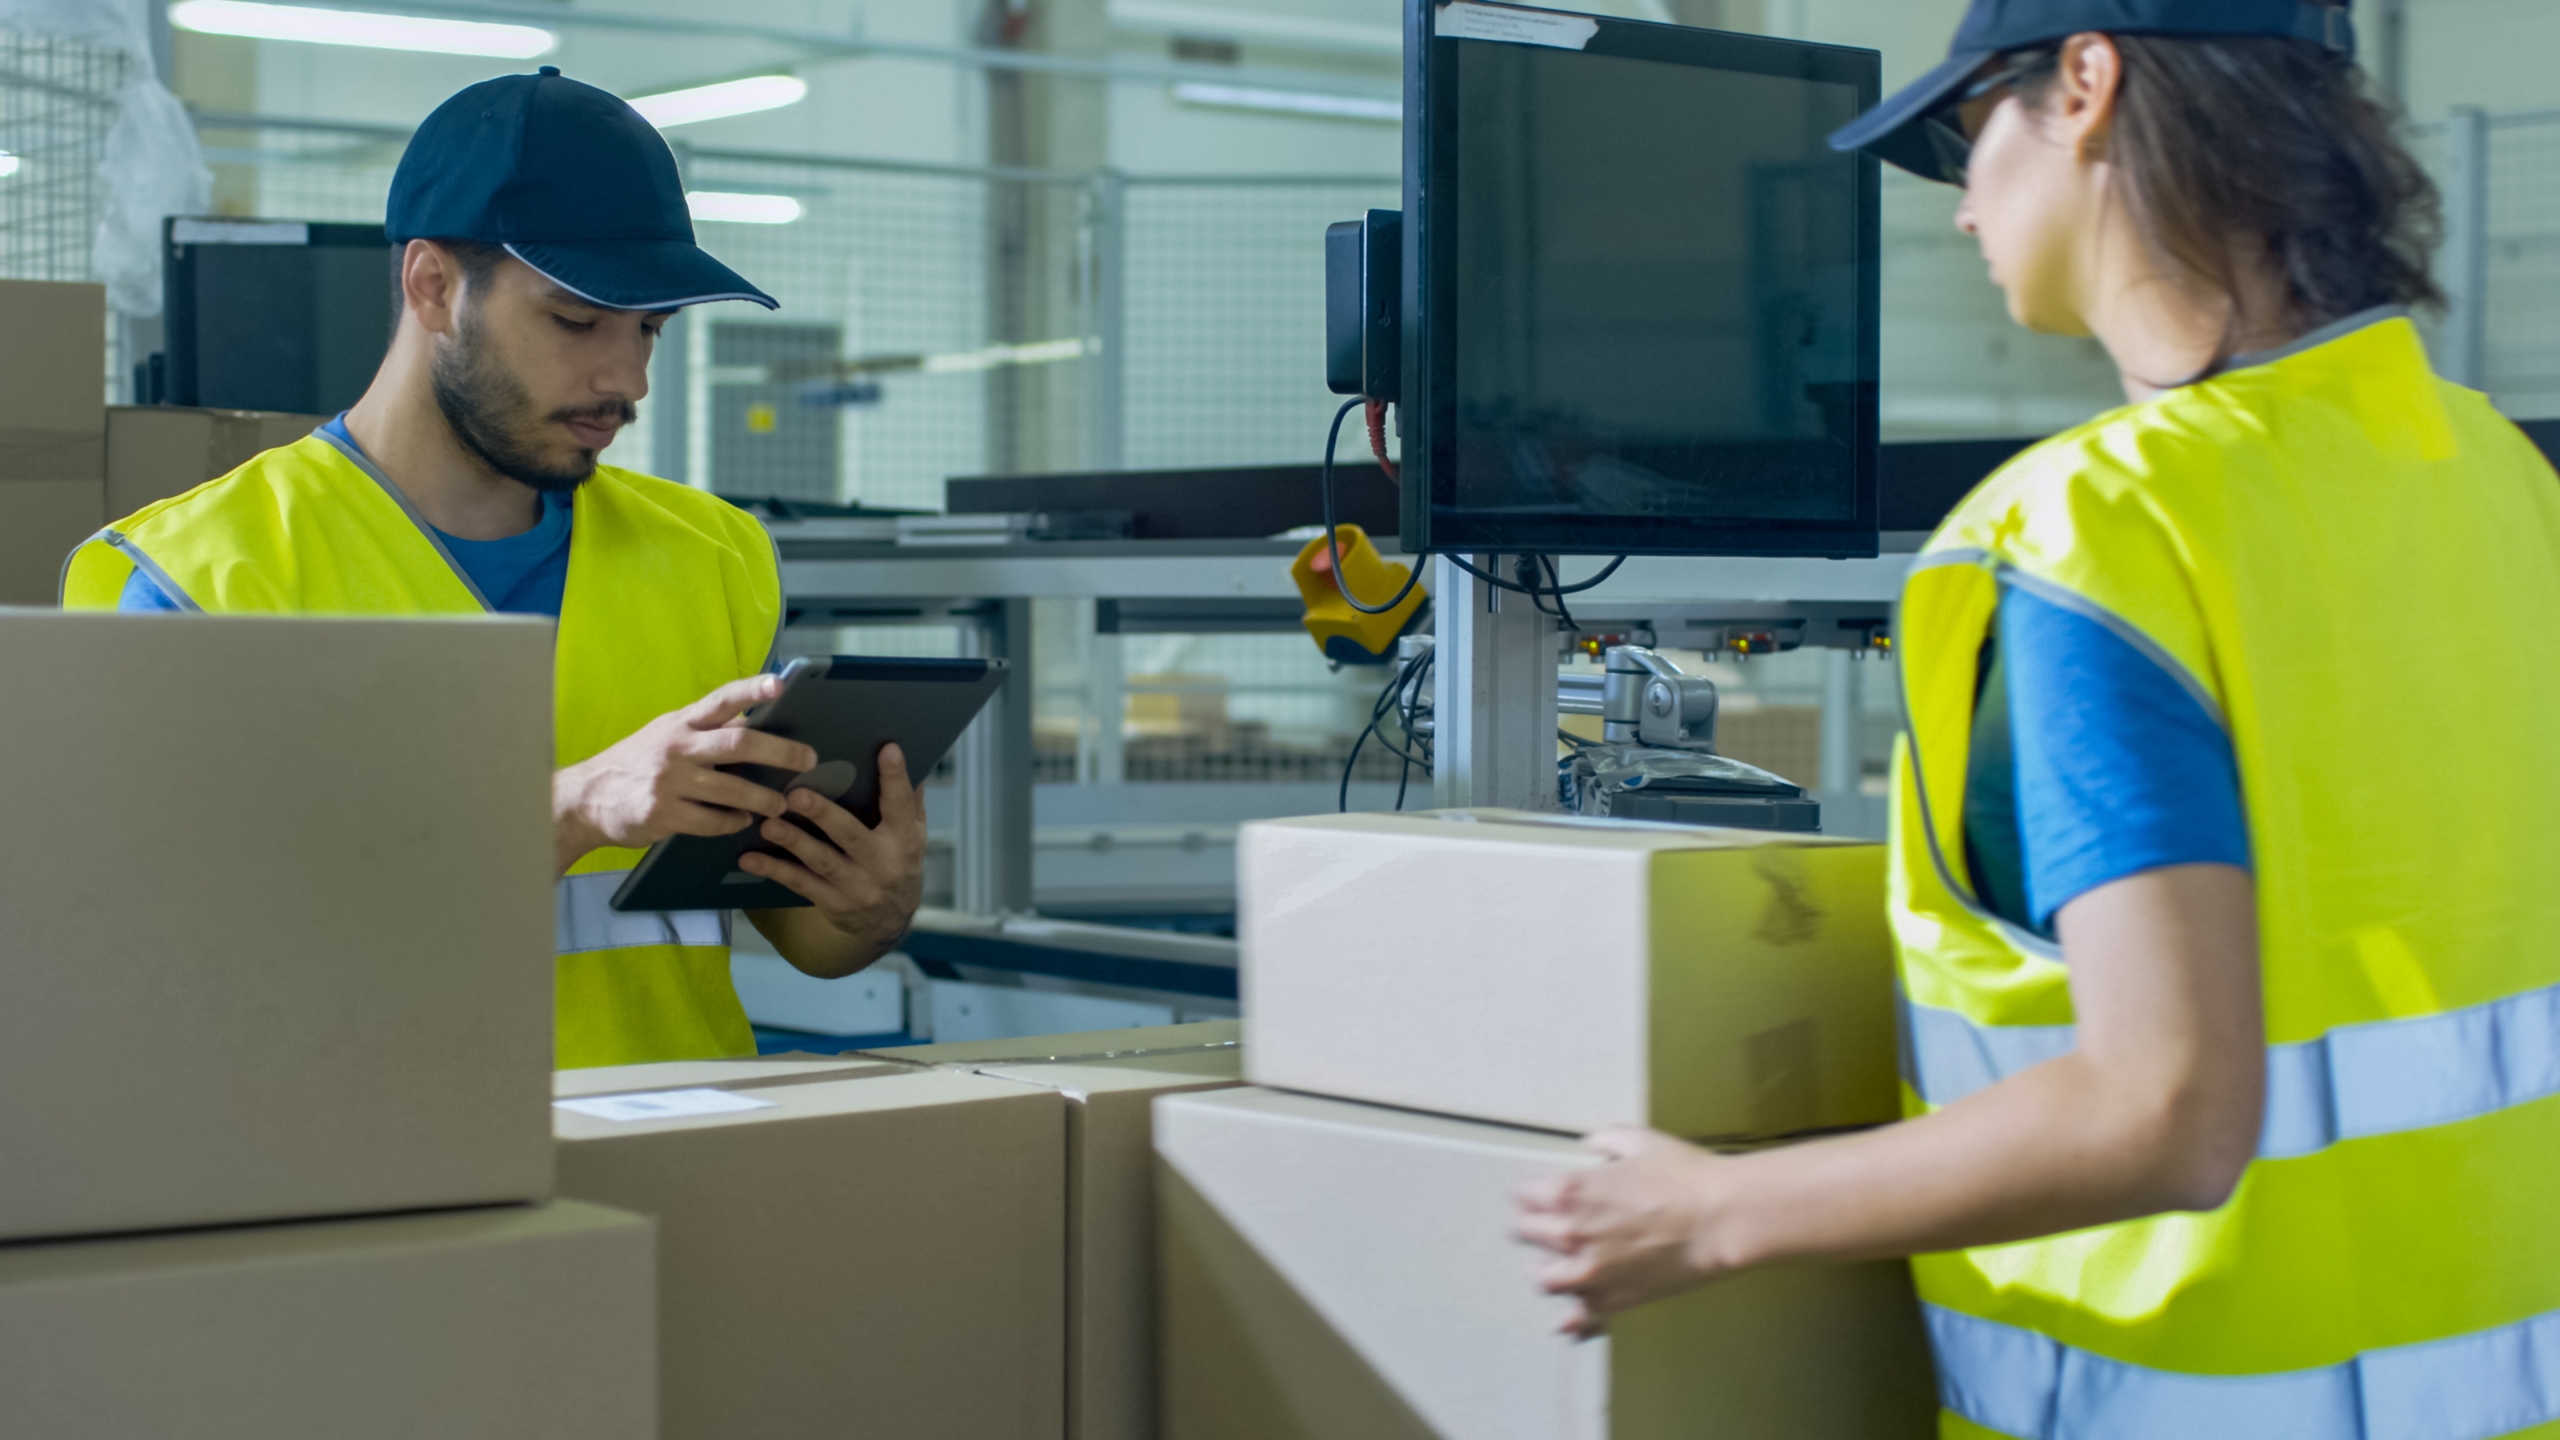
column 275, row 918
column 517, row 1323
column 156, row 451
column 41, row 523
column 53, row 381
column 1333, row 1269
column 1566, row 974
column 878, row 1255
column 1110, row 1080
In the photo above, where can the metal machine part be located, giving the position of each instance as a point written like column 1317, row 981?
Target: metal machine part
column 1644, row 699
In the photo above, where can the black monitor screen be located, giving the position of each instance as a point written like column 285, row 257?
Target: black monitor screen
column 275, row 314
column 1653, row 303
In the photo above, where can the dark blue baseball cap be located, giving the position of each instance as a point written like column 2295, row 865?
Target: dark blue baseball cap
column 572, row 182
column 1895, row 130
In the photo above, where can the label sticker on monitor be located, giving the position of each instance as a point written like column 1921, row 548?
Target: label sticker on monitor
column 662, row 1105
column 1465, row 21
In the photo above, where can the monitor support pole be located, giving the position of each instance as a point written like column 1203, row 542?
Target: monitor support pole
column 1493, row 693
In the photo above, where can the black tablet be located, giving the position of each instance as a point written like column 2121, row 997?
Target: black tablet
column 845, row 708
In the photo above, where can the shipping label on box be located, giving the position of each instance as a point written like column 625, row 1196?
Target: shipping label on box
column 1567, row 973
column 1331, row 1269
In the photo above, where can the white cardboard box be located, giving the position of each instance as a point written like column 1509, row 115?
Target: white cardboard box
column 275, row 918
column 872, row 1251
column 1567, row 974
column 510, row 1323
column 1333, row 1269
column 1110, row 1080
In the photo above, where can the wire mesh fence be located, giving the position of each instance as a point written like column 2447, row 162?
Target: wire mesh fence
column 2521, row 346
column 57, row 103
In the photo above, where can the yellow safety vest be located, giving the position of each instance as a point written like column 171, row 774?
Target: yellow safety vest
column 2355, row 566
column 671, row 593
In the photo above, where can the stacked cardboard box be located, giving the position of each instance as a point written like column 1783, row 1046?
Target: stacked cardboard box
column 53, row 422
column 1109, row 1080
column 949, row 1240
column 1463, row 993
column 156, row 451
column 857, row 1247
column 275, row 930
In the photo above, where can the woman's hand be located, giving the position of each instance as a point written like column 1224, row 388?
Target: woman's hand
column 1642, row 1227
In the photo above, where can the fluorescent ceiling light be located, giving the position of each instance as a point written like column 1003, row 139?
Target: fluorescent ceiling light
column 8, row 164
column 1240, row 24
column 742, row 209
column 1288, row 102
column 361, row 27
column 718, row 102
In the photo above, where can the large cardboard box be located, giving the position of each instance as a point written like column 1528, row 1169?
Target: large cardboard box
column 514, row 1323
column 156, row 451
column 1567, row 974
column 874, row 1252
column 275, row 918
column 53, row 380
column 1110, row 1080
column 1336, row 1271
column 41, row 523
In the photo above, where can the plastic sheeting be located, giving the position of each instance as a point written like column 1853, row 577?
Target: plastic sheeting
column 1587, row 780
column 153, row 166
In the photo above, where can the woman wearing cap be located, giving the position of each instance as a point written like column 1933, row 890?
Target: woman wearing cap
column 2232, row 1020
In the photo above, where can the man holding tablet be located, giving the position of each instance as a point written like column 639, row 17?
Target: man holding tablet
column 545, row 241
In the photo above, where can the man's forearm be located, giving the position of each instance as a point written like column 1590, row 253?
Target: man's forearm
column 816, row 946
column 571, row 836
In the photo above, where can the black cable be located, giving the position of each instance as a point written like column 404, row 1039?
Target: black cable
column 1386, row 701
column 1333, row 538
column 1555, row 580
column 1516, row 588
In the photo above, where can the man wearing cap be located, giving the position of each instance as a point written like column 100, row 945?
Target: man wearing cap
column 544, row 241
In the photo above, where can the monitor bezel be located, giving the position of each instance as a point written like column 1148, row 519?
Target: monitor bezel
column 1432, row 520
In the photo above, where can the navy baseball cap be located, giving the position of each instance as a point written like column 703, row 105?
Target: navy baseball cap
column 1895, row 131
column 572, row 182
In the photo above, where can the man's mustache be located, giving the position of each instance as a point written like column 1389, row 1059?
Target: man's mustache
column 619, row 412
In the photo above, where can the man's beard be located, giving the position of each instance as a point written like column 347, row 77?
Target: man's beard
column 492, row 414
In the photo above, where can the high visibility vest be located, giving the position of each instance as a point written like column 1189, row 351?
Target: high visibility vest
column 672, row 593
column 2355, row 566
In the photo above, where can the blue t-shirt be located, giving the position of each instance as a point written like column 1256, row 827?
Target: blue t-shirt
column 519, row 575
column 2092, row 761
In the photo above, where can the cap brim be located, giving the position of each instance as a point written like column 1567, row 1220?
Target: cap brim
column 1892, row 132
column 639, row 274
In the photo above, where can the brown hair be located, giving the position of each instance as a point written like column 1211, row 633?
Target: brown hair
column 2221, row 140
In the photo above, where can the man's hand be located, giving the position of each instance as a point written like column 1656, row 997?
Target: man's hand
column 865, row 880
column 663, row 779
column 1639, row 1228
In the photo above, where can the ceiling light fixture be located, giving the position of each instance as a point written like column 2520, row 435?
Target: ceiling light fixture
column 720, row 101
column 1288, row 102
column 8, row 164
column 367, row 28
column 741, row 209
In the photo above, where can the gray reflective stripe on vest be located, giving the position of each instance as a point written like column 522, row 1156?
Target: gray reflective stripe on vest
column 588, row 921
column 2358, row 1080
column 2031, row 1386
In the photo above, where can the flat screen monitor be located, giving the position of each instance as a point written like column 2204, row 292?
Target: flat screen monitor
column 275, row 314
column 1640, row 289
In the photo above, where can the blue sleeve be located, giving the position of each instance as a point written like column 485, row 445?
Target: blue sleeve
column 2120, row 767
column 140, row 596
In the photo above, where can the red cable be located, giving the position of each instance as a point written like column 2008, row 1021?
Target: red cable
column 1378, row 438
